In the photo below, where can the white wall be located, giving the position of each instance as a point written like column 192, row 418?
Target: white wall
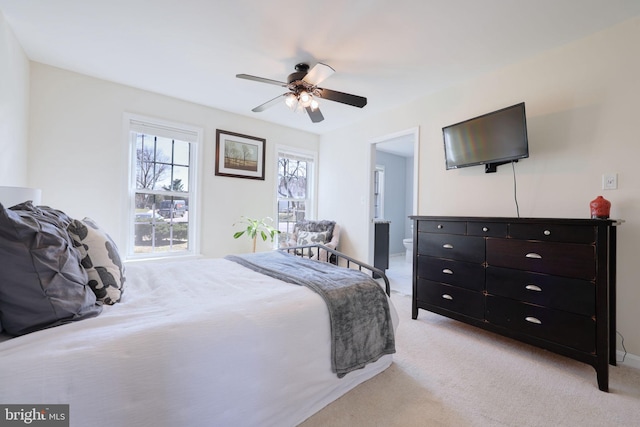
column 582, row 111
column 408, row 196
column 14, row 97
column 78, row 154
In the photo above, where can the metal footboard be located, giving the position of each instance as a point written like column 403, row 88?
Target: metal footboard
column 335, row 257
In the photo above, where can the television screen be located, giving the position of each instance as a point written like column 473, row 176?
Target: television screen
column 491, row 139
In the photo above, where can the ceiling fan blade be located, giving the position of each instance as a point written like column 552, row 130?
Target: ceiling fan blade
column 345, row 98
column 318, row 74
column 269, row 103
column 315, row 115
column 261, row 80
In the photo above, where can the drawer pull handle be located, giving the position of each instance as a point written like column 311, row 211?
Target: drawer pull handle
column 533, row 255
column 485, row 229
column 440, row 226
column 546, row 233
column 447, row 271
column 533, row 288
column 447, row 296
column 447, row 246
column 533, row 320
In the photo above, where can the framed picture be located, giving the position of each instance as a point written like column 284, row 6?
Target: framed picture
column 240, row 156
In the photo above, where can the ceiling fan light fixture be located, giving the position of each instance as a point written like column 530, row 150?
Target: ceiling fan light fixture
column 300, row 109
column 314, row 105
column 291, row 101
column 305, row 98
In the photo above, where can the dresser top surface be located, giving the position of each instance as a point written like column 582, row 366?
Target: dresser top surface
column 567, row 221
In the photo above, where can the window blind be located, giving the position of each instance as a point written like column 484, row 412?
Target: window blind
column 165, row 131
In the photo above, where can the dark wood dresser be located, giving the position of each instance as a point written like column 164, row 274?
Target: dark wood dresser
column 546, row 282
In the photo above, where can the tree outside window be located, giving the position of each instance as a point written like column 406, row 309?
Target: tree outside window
column 293, row 190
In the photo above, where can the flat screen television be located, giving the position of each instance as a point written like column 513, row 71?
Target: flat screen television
column 492, row 139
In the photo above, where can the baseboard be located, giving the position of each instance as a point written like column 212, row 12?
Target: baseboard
column 629, row 359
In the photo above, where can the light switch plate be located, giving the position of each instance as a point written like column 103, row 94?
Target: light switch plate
column 610, row 181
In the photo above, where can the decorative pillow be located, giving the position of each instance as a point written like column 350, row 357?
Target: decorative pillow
column 42, row 283
column 311, row 238
column 316, row 226
column 100, row 259
column 54, row 216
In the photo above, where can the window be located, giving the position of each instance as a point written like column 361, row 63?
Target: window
column 162, row 188
column 295, row 189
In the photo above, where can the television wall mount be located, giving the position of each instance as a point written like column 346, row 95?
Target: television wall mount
column 493, row 167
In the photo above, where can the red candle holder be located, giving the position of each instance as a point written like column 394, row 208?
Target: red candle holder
column 600, row 208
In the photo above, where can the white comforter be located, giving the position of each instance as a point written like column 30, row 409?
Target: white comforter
column 193, row 343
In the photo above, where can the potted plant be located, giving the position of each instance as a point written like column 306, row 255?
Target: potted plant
column 255, row 227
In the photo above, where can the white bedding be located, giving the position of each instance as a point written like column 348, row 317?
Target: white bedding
column 193, row 343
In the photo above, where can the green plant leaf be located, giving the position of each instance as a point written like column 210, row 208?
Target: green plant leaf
column 255, row 226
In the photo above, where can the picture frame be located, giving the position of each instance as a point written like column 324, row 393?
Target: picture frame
column 239, row 156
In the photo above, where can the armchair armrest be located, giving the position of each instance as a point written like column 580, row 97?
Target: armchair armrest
column 335, row 238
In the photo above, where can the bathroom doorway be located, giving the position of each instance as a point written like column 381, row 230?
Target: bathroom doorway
column 397, row 155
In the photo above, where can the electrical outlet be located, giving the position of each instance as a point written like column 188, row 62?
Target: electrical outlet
column 610, row 181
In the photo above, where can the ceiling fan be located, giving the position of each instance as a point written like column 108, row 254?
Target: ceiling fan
column 303, row 91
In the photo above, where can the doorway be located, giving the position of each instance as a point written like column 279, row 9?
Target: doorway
column 397, row 155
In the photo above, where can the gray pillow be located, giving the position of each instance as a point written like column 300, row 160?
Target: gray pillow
column 42, row 283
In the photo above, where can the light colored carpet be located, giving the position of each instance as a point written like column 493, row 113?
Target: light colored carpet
column 446, row 373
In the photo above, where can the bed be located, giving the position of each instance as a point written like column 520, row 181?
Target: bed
column 206, row 342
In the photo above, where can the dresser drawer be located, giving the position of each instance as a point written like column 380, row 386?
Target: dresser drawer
column 561, row 293
column 553, row 233
column 451, row 246
column 487, row 229
column 450, row 227
column 562, row 259
column 458, row 273
column 451, row 298
column 568, row 329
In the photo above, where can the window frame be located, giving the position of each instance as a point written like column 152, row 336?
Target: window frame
column 312, row 180
column 176, row 131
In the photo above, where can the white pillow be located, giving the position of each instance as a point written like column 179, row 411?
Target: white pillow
column 100, row 258
column 311, row 238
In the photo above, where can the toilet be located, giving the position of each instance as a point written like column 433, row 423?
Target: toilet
column 408, row 244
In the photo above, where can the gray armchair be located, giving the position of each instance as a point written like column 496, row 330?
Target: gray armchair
column 309, row 232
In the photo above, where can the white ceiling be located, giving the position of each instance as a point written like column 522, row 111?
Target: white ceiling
column 388, row 51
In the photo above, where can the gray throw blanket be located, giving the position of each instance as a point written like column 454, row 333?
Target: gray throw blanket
column 361, row 326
